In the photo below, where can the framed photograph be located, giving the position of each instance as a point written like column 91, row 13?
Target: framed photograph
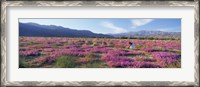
column 100, row 43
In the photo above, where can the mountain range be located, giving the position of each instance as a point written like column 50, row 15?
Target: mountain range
column 34, row 29
column 155, row 34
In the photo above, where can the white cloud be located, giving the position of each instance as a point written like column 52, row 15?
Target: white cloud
column 115, row 29
column 140, row 22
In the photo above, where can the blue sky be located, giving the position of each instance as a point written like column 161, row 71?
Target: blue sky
column 113, row 25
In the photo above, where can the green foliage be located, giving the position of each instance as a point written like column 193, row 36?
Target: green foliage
column 95, row 44
column 90, row 56
column 94, row 64
column 22, row 63
column 175, row 65
column 111, row 44
column 65, row 62
column 27, row 61
column 124, row 38
column 89, row 43
column 138, row 46
column 104, row 44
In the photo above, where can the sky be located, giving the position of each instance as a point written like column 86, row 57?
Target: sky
column 112, row 25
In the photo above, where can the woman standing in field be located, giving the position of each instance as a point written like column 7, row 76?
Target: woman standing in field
column 132, row 45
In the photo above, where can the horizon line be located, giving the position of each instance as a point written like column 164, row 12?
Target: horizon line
column 92, row 31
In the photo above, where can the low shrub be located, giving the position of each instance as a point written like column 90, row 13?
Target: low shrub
column 65, row 62
column 22, row 64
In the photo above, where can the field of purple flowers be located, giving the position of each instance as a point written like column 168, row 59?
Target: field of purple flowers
column 54, row 52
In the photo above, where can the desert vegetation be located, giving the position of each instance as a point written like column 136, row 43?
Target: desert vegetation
column 63, row 52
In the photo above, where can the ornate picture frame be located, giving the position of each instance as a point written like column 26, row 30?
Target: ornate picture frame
column 6, row 4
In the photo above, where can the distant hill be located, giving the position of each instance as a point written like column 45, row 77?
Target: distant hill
column 34, row 29
column 37, row 30
column 153, row 34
